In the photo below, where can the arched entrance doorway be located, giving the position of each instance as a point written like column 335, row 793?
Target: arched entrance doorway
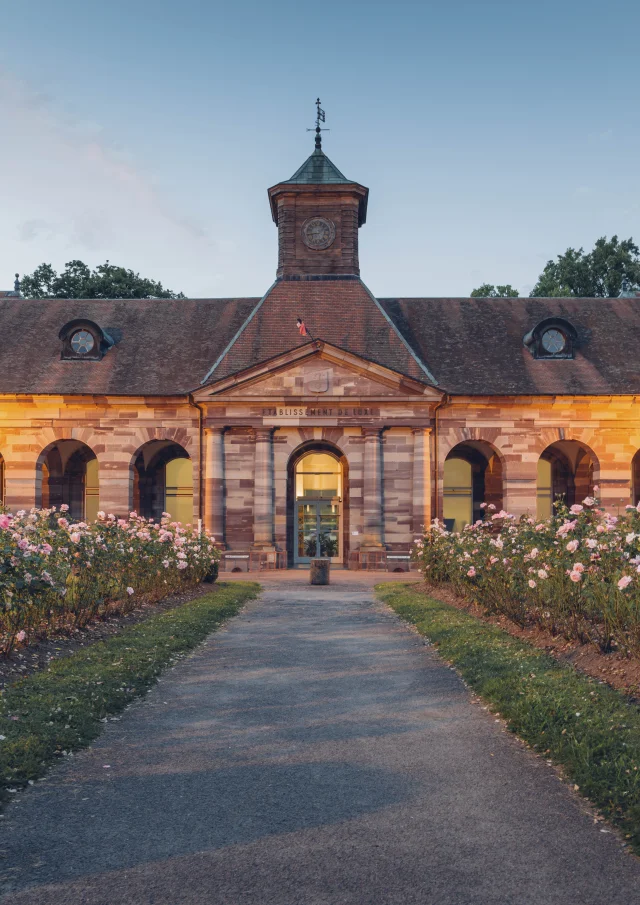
column 317, row 487
column 566, row 470
column 163, row 481
column 472, row 476
column 68, row 475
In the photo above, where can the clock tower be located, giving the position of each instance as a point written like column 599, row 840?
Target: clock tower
column 318, row 213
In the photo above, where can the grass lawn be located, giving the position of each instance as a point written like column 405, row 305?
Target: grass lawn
column 60, row 709
column 590, row 730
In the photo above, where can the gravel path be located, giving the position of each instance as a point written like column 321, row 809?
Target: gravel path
column 314, row 751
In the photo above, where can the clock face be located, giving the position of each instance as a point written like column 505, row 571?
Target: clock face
column 318, row 233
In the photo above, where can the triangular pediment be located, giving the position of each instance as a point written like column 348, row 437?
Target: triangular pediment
column 317, row 370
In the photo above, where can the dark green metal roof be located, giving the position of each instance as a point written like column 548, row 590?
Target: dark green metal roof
column 318, row 170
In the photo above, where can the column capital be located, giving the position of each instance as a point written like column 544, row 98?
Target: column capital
column 369, row 432
column 214, row 429
column 263, row 434
column 421, row 430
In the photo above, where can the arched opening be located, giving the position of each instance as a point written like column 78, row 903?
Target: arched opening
column 69, row 475
column 163, row 481
column 317, row 523
column 472, row 476
column 566, row 470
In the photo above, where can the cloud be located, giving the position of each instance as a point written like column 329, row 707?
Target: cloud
column 68, row 192
column 30, row 230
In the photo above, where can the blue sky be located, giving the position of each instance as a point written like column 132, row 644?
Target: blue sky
column 492, row 135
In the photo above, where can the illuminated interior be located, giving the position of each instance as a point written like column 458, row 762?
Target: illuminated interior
column 545, row 489
column 179, row 490
column 458, row 494
column 319, row 477
column 318, row 482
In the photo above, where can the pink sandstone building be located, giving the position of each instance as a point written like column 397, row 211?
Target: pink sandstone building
column 340, row 441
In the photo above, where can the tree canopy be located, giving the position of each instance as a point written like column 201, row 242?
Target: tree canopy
column 600, row 273
column 489, row 291
column 78, row 281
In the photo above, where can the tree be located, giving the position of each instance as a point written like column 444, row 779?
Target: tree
column 77, row 281
column 600, row 273
column 489, row 291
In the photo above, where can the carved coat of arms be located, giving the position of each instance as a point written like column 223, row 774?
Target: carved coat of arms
column 318, row 382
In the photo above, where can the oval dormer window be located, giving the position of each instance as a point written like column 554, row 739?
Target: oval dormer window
column 82, row 342
column 553, row 341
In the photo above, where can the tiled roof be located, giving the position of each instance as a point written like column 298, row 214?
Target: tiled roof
column 342, row 312
column 474, row 346
column 464, row 346
column 162, row 346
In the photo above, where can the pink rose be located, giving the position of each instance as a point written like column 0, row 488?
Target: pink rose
column 575, row 576
column 532, row 583
column 572, row 546
column 624, row 582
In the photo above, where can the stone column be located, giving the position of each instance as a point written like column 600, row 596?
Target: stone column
column 214, row 482
column 263, row 490
column 116, row 479
column 421, row 488
column 372, row 487
column 520, row 485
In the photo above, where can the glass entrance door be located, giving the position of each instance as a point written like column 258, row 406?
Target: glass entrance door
column 318, row 530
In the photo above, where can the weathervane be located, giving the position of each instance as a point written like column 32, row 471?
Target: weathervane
column 320, row 118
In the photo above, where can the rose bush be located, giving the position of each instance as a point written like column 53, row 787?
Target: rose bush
column 56, row 574
column 577, row 573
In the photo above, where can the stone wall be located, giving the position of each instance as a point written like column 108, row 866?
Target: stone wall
column 113, row 429
column 521, row 428
column 391, row 456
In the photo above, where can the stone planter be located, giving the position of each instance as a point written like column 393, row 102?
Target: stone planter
column 319, row 571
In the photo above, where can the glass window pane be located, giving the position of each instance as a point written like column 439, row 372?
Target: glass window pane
column 458, row 494
column 319, row 476
column 545, row 489
column 179, row 490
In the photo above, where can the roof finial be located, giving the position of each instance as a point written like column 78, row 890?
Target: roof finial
column 16, row 285
column 320, row 118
